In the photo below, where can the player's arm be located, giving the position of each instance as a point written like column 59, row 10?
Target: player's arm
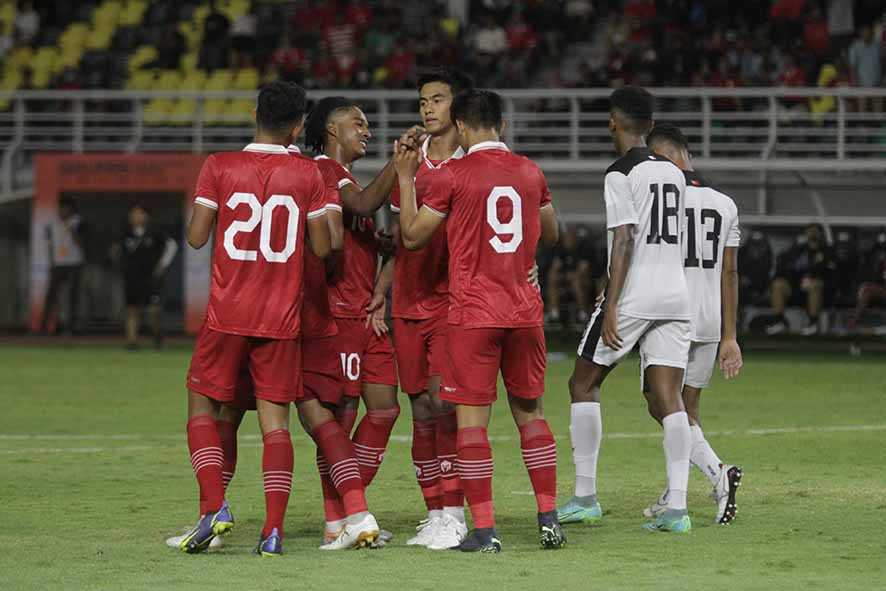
column 417, row 226
column 170, row 249
column 200, row 226
column 318, row 235
column 366, row 201
column 622, row 250
column 730, row 352
column 550, row 227
column 336, row 230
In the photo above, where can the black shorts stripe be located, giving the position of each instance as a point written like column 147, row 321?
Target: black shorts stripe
column 592, row 335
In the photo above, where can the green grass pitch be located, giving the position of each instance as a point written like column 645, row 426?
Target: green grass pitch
column 94, row 474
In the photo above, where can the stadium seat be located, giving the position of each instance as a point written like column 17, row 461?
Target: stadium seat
column 219, row 80
column 168, row 80
column 7, row 17
column 239, row 111
column 246, row 79
column 141, row 80
column 145, row 54
column 132, row 13
column 214, row 111
column 158, row 111
column 189, row 62
column 193, row 34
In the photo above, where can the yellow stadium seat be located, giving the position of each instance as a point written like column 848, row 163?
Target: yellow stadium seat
column 132, row 13
column 200, row 15
column 99, row 39
column 74, row 36
column 214, row 111
column 219, row 80
column 193, row 34
column 106, row 15
column 193, row 81
column 157, row 111
column 22, row 56
column 239, row 111
column 141, row 80
column 70, row 57
column 7, row 16
column 246, row 79
column 145, row 54
column 189, row 62
column 168, row 80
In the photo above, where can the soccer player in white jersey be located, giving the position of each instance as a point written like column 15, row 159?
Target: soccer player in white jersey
column 711, row 247
column 646, row 304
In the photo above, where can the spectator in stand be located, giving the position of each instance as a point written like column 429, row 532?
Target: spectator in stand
column 170, row 49
column 792, row 75
column 725, row 77
column 488, row 42
column 215, row 49
column 64, row 239
column 873, row 289
column 27, row 22
column 358, row 13
column 290, row 62
column 754, row 267
column 803, row 276
column 400, row 66
column 243, row 33
column 815, row 33
column 865, row 65
column 841, row 23
column 572, row 269
column 340, row 37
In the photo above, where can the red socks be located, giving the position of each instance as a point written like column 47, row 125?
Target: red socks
column 333, row 509
column 371, row 439
column 342, row 472
column 540, row 457
column 346, row 417
column 427, row 466
column 447, row 428
column 206, row 460
column 475, row 468
column 277, row 470
column 227, row 433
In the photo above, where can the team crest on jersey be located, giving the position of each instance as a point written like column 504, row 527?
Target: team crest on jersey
column 445, row 466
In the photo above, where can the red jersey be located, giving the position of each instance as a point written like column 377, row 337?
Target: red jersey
column 491, row 199
column 351, row 285
column 263, row 197
column 316, row 319
column 421, row 279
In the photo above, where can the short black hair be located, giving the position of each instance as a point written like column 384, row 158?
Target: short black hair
column 667, row 133
column 636, row 104
column 281, row 106
column 457, row 80
column 315, row 126
column 478, row 109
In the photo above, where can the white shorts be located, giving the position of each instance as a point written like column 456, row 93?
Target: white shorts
column 702, row 359
column 662, row 342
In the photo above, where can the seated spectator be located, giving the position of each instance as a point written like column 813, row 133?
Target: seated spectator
column 215, row 50
column 572, row 269
column 865, row 66
column 169, row 50
column 803, row 276
column 754, row 267
column 873, row 289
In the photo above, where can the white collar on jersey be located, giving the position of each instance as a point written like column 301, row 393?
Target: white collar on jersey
column 424, row 153
column 293, row 149
column 488, row 146
column 266, row 148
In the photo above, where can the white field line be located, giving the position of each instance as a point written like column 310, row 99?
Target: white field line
column 177, row 439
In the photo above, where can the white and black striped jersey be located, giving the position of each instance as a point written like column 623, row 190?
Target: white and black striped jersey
column 711, row 227
column 646, row 191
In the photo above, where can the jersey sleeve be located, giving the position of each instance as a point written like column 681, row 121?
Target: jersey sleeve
column 545, row 191
column 395, row 196
column 318, row 195
column 620, row 208
column 436, row 189
column 733, row 234
column 206, row 193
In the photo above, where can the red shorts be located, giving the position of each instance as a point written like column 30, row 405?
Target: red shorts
column 363, row 357
column 274, row 366
column 322, row 370
column 421, row 351
column 475, row 356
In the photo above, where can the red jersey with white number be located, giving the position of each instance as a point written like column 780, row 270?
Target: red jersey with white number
column 263, row 197
column 491, row 199
column 316, row 319
column 421, row 279
column 352, row 281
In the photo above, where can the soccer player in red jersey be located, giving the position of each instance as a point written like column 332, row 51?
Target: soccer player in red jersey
column 262, row 201
column 497, row 207
column 420, row 304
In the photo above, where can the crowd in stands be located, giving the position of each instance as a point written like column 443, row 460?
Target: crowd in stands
column 505, row 43
column 812, row 275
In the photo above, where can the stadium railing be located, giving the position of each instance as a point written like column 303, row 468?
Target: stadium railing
column 564, row 130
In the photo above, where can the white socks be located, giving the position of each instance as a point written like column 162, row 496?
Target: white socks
column 677, row 446
column 435, row 514
column 586, row 430
column 456, row 512
column 703, row 456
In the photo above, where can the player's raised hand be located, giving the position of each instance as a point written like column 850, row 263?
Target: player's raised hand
column 413, row 137
column 406, row 161
column 730, row 358
column 610, row 335
column 532, row 277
